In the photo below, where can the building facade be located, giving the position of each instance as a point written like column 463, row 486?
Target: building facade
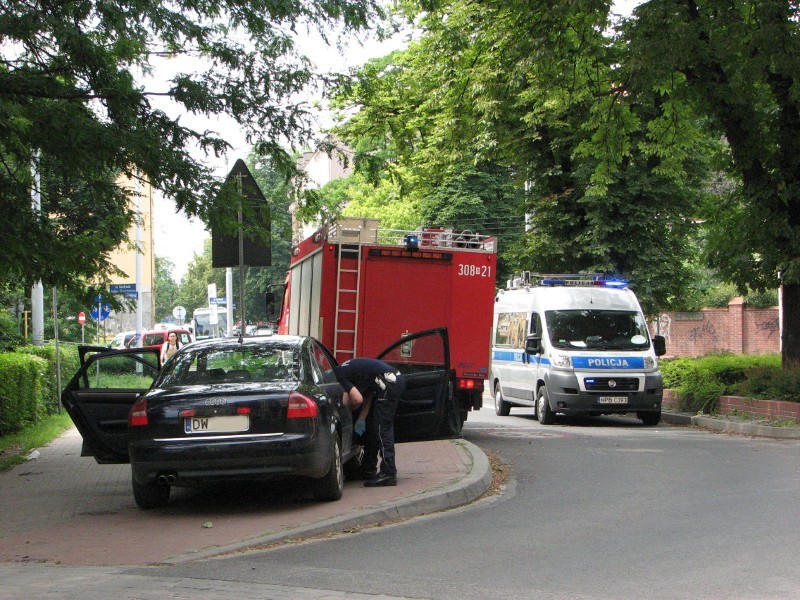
column 125, row 257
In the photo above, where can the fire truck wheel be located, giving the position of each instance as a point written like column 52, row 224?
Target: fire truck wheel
column 501, row 407
column 543, row 412
column 451, row 421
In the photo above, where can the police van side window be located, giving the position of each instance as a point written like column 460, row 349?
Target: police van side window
column 536, row 325
column 511, row 329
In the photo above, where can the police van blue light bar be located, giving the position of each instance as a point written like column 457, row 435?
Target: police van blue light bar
column 613, row 283
column 574, row 279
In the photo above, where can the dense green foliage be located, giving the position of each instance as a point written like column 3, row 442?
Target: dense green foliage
column 506, row 114
column 69, row 364
column 22, row 390
column 701, row 381
column 166, row 291
column 79, row 100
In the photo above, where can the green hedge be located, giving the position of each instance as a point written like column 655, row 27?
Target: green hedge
column 22, row 390
column 700, row 382
column 28, row 383
column 70, row 363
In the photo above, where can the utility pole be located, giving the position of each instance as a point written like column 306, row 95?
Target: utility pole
column 37, row 291
column 139, row 307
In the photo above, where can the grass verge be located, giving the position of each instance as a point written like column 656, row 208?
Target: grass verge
column 14, row 448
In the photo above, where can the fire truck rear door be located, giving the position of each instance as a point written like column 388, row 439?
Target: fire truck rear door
column 424, row 360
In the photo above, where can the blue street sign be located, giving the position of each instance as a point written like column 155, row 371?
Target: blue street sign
column 122, row 288
column 106, row 310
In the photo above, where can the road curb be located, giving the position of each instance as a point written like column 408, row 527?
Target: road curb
column 724, row 425
column 462, row 491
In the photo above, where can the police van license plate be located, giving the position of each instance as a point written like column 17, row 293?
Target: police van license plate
column 612, row 400
column 228, row 424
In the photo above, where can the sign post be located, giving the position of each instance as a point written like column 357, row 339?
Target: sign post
column 82, row 321
column 100, row 312
column 213, row 317
column 179, row 312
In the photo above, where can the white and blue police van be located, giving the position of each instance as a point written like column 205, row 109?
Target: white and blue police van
column 576, row 345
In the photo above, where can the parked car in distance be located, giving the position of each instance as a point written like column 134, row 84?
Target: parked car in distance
column 261, row 408
column 121, row 340
column 155, row 338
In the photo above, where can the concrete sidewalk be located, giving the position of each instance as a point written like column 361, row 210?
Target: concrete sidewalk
column 66, row 510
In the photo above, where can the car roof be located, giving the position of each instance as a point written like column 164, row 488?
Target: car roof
column 251, row 341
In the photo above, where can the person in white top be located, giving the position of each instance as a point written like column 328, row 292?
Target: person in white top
column 170, row 347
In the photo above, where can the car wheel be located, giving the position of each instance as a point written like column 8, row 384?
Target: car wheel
column 501, row 407
column 650, row 419
column 543, row 412
column 150, row 495
column 331, row 486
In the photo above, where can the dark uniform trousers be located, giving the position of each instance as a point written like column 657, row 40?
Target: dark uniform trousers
column 379, row 438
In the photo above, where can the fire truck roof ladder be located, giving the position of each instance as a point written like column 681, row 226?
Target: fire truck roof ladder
column 348, row 270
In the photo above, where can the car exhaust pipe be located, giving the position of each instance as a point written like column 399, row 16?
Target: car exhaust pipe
column 167, row 478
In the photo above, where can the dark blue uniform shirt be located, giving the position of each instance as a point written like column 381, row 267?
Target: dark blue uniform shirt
column 360, row 373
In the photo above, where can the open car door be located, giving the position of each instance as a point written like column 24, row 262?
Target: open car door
column 100, row 395
column 424, row 410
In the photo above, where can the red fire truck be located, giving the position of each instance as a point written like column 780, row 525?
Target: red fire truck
column 362, row 290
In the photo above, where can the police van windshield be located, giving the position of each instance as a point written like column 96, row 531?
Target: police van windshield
column 597, row 329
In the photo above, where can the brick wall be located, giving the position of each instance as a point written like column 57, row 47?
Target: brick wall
column 736, row 329
column 767, row 409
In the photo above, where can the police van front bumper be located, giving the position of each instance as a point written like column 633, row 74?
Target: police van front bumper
column 584, row 392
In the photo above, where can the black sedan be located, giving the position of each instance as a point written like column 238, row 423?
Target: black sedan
column 260, row 407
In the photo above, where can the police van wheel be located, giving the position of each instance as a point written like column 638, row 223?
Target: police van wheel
column 543, row 412
column 501, row 407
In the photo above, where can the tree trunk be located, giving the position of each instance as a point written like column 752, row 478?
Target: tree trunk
column 790, row 336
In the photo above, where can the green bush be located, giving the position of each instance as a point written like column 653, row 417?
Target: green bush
column 9, row 337
column 70, row 362
column 700, row 382
column 22, row 390
column 771, row 383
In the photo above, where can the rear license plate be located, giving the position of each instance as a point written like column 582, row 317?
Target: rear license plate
column 612, row 400
column 228, row 424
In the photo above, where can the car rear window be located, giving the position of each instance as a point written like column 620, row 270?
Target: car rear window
column 151, row 339
column 270, row 364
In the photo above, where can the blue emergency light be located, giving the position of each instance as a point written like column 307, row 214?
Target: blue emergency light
column 412, row 241
column 614, row 283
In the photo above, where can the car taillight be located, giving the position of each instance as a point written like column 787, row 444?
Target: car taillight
column 470, row 384
column 138, row 415
column 301, row 406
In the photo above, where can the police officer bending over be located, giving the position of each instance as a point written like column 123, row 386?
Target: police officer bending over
column 376, row 387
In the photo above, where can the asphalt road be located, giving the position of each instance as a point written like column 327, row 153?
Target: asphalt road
column 600, row 508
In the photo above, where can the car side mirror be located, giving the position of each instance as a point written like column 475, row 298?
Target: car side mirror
column 533, row 344
column 660, row 345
